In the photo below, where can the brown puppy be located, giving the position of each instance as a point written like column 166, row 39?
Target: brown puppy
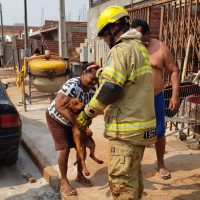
column 82, row 139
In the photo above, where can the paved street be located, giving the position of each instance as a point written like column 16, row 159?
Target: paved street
column 13, row 186
column 182, row 162
column 110, row 43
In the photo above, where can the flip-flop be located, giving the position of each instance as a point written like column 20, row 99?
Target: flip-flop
column 65, row 193
column 84, row 181
column 164, row 173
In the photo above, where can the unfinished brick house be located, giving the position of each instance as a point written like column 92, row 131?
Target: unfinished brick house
column 16, row 30
column 44, row 38
column 47, row 36
column 11, row 33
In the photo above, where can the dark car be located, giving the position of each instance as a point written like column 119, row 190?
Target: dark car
column 10, row 129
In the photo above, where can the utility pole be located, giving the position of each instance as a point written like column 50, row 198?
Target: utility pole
column 25, row 29
column 2, row 38
column 62, row 30
column 26, row 55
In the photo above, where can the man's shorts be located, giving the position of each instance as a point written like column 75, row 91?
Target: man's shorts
column 159, row 103
column 61, row 133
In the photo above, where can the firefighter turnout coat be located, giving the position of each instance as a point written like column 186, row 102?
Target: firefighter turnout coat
column 131, row 116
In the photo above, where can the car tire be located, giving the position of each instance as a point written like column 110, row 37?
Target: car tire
column 11, row 159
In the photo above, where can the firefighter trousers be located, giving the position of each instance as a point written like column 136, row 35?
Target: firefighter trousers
column 124, row 170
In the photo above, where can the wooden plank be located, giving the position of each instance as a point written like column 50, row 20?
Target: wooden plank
column 194, row 32
column 186, row 59
column 168, row 29
column 196, row 77
column 140, row 13
column 141, row 5
column 162, row 11
column 190, row 26
column 170, row 22
column 189, row 16
column 178, row 26
column 197, row 53
column 173, row 22
column 184, row 26
column 148, row 15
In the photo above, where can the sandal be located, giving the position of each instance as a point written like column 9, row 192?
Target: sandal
column 65, row 193
column 164, row 173
column 84, row 181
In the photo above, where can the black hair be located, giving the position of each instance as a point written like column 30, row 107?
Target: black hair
column 37, row 51
column 123, row 24
column 142, row 23
column 86, row 66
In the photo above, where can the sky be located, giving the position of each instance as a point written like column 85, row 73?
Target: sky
column 39, row 10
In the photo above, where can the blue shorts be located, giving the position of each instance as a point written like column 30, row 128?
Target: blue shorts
column 159, row 104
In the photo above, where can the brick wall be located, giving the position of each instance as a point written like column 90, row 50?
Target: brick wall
column 76, row 33
column 51, row 23
column 154, row 21
column 53, row 46
column 19, row 44
column 16, row 30
column 77, row 38
column 47, row 45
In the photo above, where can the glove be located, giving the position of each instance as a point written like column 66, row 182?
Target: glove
column 83, row 119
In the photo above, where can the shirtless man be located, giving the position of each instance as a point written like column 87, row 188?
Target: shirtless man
column 160, row 58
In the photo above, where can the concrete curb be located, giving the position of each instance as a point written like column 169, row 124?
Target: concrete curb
column 41, row 162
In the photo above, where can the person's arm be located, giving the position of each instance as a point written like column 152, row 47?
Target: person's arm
column 113, row 78
column 67, row 92
column 172, row 69
column 61, row 102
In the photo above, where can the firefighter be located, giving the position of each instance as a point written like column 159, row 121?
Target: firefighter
column 126, row 86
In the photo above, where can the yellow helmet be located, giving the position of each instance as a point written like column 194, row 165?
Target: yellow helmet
column 110, row 15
